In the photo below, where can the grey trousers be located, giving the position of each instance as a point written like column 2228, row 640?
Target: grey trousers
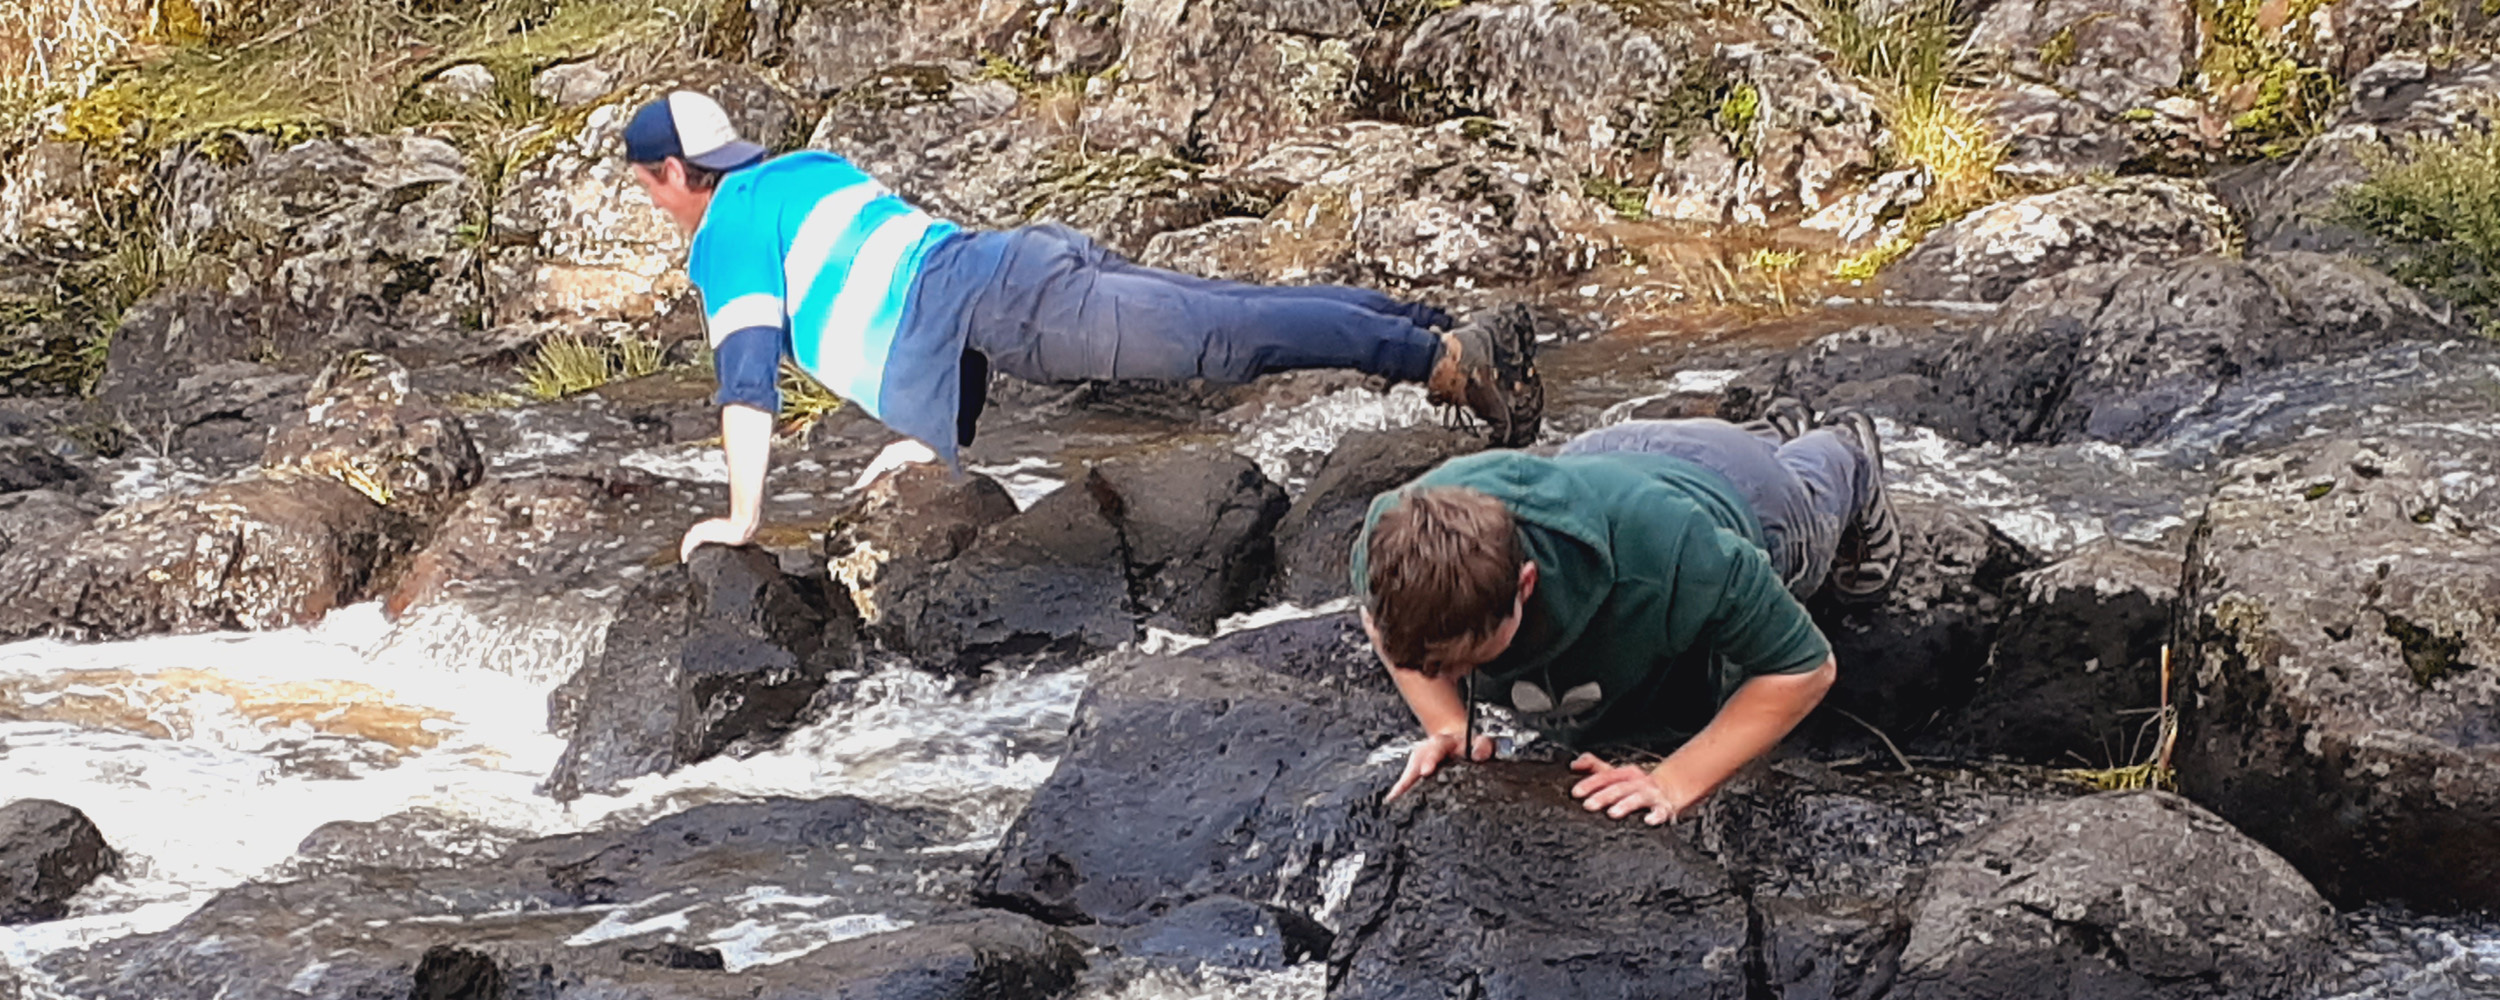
column 1804, row 491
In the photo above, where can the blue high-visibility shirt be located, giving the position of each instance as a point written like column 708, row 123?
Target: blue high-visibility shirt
column 808, row 257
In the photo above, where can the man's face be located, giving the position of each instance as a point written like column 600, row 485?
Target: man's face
column 665, row 183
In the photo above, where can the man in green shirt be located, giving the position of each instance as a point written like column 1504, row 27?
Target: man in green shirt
column 1641, row 588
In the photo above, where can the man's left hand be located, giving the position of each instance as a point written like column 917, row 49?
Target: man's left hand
column 1622, row 791
column 717, row 531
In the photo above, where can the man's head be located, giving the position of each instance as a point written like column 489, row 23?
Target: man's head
column 1448, row 579
column 679, row 146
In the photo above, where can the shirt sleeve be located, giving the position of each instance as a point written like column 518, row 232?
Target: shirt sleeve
column 743, row 313
column 1759, row 628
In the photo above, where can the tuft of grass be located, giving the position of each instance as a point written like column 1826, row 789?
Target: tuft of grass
column 2435, row 204
column 1628, row 202
column 2154, row 771
column 1863, row 266
column 804, row 401
column 570, row 365
column 2250, row 63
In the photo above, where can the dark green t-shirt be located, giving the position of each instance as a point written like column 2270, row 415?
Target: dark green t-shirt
column 1654, row 599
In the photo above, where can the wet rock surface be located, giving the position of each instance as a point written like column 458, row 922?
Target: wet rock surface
column 48, row 851
column 2338, row 635
column 573, row 909
column 1198, row 527
column 2139, row 894
column 722, row 656
column 1313, row 539
column 2074, row 677
column 1052, row 581
column 1497, row 884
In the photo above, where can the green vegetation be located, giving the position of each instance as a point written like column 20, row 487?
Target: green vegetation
column 804, row 401
column 2249, row 64
column 1910, row 58
column 2435, row 203
column 2153, row 770
column 570, row 365
column 1629, row 202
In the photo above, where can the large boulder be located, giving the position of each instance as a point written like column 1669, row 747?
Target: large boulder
column 2405, row 96
column 825, row 48
column 1715, row 120
column 726, row 655
column 364, row 426
column 1198, row 526
column 1986, row 255
column 1052, row 580
column 1178, row 89
column 2075, row 674
column 1248, row 783
column 1492, row 882
column 48, row 851
column 2125, row 354
column 217, row 419
column 2087, row 67
column 1919, row 651
column 574, row 245
column 2338, row 639
column 1318, row 532
column 688, row 905
column 2130, row 894
column 905, row 524
column 330, row 245
column 1454, row 206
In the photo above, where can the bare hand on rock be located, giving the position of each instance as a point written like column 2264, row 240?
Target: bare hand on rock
column 1427, row 756
column 1622, row 791
column 717, row 531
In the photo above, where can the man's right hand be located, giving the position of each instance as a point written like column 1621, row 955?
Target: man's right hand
column 1427, row 756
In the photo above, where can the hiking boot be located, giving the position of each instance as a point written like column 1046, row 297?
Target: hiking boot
column 1488, row 366
column 1788, row 417
column 1869, row 556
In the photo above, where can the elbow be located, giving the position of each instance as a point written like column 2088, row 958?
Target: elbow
column 1819, row 683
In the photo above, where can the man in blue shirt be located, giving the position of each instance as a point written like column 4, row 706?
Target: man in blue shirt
column 805, row 256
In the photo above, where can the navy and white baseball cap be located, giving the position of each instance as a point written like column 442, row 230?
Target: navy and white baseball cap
column 691, row 127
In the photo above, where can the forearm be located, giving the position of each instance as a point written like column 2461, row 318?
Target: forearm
column 1762, row 713
column 1438, row 704
column 746, row 436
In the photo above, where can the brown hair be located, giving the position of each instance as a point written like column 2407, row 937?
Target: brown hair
column 697, row 178
column 1443, row 565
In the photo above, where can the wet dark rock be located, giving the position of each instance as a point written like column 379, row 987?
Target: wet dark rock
column 41, row 519
column 364, row 426
column 1886, row 370
column 1920, row 652
column 2127, row 355
column 2292, row 205
column 1259, row 785
column 2128, row 894
column 255, row 554
column 48, row 851
column 27, row 465
column 1491, row 881
column 2075, row 676
column 1229, row 933
column 1324, row 649
column 1198, row 526
column 574, row 249
column 376, row 932
column 1986, row 255
column 1401, row 208
column 1830, row 860
column 725, row 655
column 1313, row 540
column 424, row 837
column 904, row 524
column 328, row 245
column 1051, row 581
column 2339, row 642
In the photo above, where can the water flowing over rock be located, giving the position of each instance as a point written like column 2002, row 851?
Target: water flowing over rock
column 1313, row 540
column 1497, row 885
column 1985, row 256
column 580, row 909
column 1403, row 208
column 1258, row 784
column 726, row 655
column 48, row 851
column 2121, row 354
column 334, row 244
column 2340, row 638
column 2131, row 894
column 2075, row 675
column 575, row 246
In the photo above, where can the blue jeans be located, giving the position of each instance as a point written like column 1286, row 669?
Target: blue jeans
column 1062, row 308
column 1804, row 491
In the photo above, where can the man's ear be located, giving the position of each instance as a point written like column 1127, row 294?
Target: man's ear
column 1527, row 579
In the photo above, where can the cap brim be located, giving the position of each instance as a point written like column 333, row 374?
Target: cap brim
column 729, row 157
